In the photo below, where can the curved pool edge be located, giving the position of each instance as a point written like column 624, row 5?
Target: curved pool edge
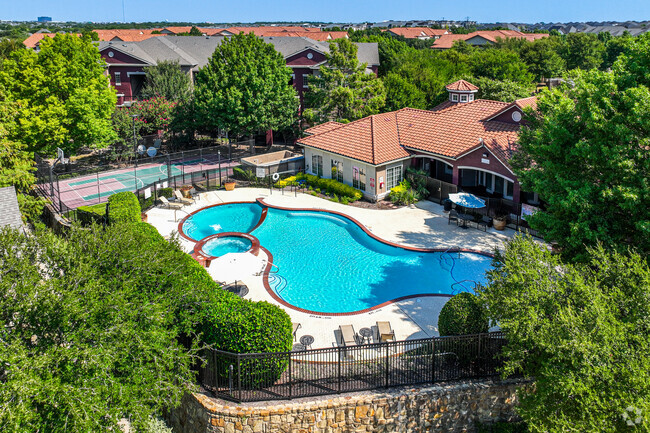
column 185, row 218
column 254, row 249
column 269, row 264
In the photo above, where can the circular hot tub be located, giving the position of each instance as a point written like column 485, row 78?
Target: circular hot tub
column 225, row 243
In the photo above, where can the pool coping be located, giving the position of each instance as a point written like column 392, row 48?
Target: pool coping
column 269, row 264
column 254, row 249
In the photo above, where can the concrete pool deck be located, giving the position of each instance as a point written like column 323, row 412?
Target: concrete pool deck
column 422, row 225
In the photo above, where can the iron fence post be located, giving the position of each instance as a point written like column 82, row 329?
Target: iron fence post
column 433, row 361
column 239, row 376
column 290, row 381
column 230, row 373
column 387, row 364
column 339, row 370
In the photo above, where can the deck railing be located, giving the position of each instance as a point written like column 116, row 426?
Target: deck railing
column 250, row 377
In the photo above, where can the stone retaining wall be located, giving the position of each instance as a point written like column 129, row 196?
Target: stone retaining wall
column 454, row 407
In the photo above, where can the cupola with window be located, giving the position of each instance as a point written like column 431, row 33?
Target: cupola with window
column 461, row 91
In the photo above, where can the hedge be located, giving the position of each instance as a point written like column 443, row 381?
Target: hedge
column 123, row 207
column 330, row 186
column 91, row 214
column 463, row 314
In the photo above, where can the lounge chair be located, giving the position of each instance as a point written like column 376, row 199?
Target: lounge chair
column 295, row 329
column 182, row 199
column 453, row 216
column 166, row 203
column 385, row 332
column 348, row 335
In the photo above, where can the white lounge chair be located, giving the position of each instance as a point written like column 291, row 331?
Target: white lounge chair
column 166, row 203
column 348, row 335
column 182, row 199
column 385, row 332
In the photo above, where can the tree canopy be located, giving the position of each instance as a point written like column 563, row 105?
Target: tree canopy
column 244, row 88
column 581, row 331
column 166, row 79
column 585, row 153
column 64, row 96
column 344, row 90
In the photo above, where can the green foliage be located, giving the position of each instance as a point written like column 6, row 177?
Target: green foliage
column 585, row 153
column 403, row 194
column 503, row 427
column 245, row 88
column 330, row 186
column 343, row 91
column 502, row 65
column 63, row 94
column 542, row 58
column 243, row 326
column 582, row 51
column 16, row 164
column 149, row 202
column 581, row 331
column 89, row 215
column 166, row 79
column 401, row 93
column 90, row 326
column 463, row 314
column 123, row 207
column 506, row 91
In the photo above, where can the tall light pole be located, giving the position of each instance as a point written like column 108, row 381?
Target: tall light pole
column 134, row 116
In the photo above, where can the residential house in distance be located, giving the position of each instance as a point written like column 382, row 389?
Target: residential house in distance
column 463, row 141
column 10, row 215
column 484, row 38
column 127, row 60
column 423, row 33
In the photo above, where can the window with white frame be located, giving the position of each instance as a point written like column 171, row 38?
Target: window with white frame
column 337, row 170
column 305, row 77
column 454, row 97
column 463, row 98
column 362, row 179
column 317, row 165
column 118, row 79
column 471, row 97
column 393, row 176
column 359, row 178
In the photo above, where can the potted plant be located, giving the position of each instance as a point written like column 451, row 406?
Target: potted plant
column 229, row 184
column 185, row 190
column 500, row 220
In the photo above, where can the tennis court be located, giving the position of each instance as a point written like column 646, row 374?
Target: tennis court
column 96, row 188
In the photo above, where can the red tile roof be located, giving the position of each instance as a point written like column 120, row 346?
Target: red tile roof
column 34, row 39
column 449, row 131
column 322, row 127
column 527, row 102
column 417, row 32
column 126, row 35
column 462, row 85
column 373, row 139
column 320, row 36
column 447, row 41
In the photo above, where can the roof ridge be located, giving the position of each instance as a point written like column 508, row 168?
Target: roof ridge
column 372, row 137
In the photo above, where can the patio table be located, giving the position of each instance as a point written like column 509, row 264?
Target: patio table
column 465, row 217
column 366, row 333
column 306, row 340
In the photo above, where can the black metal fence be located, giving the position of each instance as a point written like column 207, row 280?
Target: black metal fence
column 276, row 376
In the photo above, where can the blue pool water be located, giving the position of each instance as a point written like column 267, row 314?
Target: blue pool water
column 228, row 244
column 236, row 217
column 327, row 264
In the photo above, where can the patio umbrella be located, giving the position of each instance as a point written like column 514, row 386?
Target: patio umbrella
column 466, row 200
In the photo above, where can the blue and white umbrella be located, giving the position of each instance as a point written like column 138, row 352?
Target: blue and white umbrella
column 467, row 200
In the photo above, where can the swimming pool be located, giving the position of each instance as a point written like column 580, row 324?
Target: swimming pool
column 325, row 263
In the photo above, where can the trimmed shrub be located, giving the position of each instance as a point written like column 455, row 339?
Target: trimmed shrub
column 123, row 207
column 244, row 326
column 463, row 314
column 330, row 186
column 91, row 214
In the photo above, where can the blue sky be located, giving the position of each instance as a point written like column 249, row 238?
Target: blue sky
column 328, row 11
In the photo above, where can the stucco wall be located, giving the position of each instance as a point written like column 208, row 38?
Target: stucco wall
column 456, row 407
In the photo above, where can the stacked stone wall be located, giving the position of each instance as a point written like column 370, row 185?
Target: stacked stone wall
column 457, row 407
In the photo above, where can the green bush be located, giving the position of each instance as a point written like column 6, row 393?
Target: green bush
column 123, row 207
column 91, row 214
column 244, row 326
column 463, row 314
column 403, row 194
column 503, row 427
column 330, row 186
column 162, row 192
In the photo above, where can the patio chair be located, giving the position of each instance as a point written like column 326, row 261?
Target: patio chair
column 385, row 332
column 166, row 203
column 295, row 329
column 453, row 216
column 348, row 335
column 483, row 222
column 182, row 199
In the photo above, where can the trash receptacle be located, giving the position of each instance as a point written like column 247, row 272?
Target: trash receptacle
column 447, row 205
